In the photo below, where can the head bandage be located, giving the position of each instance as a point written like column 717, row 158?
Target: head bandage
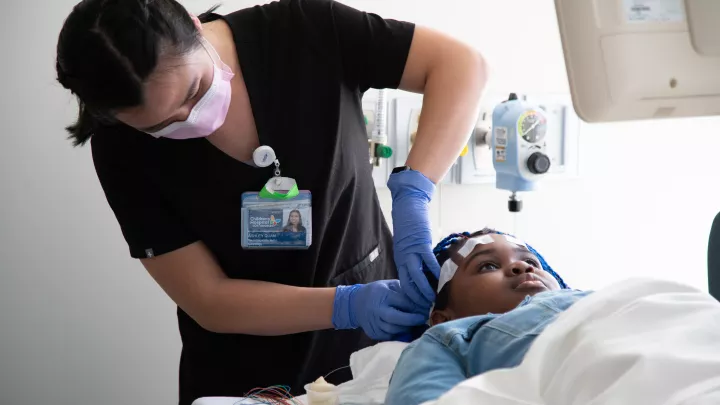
column 448, row 269
column 515, row 241
column 447, row 272
column 471, row 243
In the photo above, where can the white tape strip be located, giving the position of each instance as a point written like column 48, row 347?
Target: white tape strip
column 447, row 272
column 471, row 243
column 515, row 241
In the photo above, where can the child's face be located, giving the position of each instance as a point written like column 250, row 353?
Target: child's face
column 494, row 278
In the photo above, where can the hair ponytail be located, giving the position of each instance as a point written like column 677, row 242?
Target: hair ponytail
column 107, row 49
column 83, row 129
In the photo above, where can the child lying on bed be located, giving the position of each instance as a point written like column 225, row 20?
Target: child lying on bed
column 495, row 296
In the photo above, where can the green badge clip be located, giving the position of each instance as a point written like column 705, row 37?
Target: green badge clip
column 280, row 188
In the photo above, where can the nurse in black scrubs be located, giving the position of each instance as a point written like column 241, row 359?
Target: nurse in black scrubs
column 174, row 106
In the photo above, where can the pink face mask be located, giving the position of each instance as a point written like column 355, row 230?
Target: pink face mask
column 210, row 111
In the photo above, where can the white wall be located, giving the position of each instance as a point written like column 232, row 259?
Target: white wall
column 81, row 323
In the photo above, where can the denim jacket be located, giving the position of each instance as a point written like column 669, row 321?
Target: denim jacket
column 454, row 351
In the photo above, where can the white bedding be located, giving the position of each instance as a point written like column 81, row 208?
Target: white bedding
column 371, row 370
column 636, row 342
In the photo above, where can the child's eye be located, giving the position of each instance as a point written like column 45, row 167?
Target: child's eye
column 532, row 263
column 488, row 266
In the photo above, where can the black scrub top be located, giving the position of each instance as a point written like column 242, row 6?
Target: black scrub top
column 306, row 65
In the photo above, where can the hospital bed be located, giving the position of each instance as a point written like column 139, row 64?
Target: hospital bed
column 380, row 359
column 598, row 350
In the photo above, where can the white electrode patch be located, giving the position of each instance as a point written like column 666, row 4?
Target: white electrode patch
column 471, row 243
column 515, row 241
column 449, row 268
column 447, row 272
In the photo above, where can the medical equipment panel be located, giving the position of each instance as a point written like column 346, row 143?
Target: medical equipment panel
column 519, row 148
column 405, row 115
column 641, row 59
column 560, row 137
column 380, row 150
column 563, row 134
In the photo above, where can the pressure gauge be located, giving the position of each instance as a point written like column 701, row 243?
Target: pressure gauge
column 532, row 126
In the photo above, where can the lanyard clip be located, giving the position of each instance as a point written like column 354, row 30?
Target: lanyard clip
column 277, row 169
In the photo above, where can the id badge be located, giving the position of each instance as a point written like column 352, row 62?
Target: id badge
column 273, row 220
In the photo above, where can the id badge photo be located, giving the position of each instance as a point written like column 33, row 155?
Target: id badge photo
column 277, row 217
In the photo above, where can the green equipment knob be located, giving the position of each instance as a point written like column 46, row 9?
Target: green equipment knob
column 383, row 151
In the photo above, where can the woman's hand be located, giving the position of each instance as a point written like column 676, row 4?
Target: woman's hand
column 412, row 238
column 379, row 308
column 451, row 75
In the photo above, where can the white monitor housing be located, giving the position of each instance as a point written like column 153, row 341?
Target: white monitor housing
column 641, row 59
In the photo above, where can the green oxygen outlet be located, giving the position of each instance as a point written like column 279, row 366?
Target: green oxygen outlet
column 383, row 151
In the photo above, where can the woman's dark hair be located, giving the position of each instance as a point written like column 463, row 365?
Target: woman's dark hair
column 452, row 243
column 107, row 49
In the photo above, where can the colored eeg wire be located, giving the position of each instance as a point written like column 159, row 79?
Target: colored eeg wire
column 337, row 369
column 275, row 395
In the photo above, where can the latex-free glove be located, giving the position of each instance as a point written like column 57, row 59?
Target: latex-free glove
column 379, row 308
column 412, row 239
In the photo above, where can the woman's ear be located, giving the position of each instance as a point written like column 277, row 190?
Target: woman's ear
column 197, row 22
column 440, row 316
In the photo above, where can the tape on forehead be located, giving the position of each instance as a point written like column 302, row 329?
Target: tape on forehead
column 447, row 272
column 471, row 243
column 515, row 241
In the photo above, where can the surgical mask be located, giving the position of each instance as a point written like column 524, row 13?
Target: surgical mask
column 211, row 110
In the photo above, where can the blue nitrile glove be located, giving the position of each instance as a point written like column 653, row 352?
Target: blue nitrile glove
column 412, row 239
column 379, row 308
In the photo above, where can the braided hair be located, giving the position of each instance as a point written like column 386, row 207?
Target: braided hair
column 444, row 249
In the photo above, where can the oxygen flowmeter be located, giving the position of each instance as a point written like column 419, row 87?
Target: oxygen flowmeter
column 378, row 141
column 519, row 150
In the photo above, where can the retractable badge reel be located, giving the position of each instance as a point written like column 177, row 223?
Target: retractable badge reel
column 280, row 215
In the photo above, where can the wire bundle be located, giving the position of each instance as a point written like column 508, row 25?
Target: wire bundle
column 275, row 395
